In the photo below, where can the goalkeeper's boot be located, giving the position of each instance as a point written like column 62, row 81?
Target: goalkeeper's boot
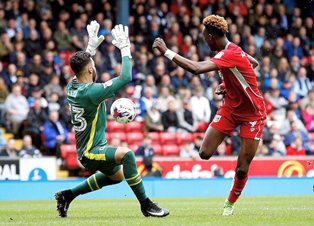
column 150, row 209
column 228, row 208
column 64, row 198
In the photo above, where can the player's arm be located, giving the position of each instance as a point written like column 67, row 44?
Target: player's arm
column 189, row 65
column 252, row 61
column 121, row 41
column 98, row 92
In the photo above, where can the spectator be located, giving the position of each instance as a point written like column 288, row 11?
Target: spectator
column 34, row 122
column 296, row 147
column 302, row 84
column 296, row 132
column 310, row 69
column 53, row 102
column 28, row 150
column 9, row 150
column 36, row 66
column 10, row 76
column 284, row 125
column 150, row 82
column 308, row 99
column 153, row 122
column 279, row 103
column 197, row 143
column 62, row 37
column 54, row 133
column 187, row 119
column 142, row 65
column 3, row 95
column 308, row 115
column 200, row 106
column 53, row 86
column 170, row 119
column 164, row 98
column 179, row 78
column 32, row 44
column 277, row 147
column 16, row 109
column 147, row 153
column 295, row 49
column 5, row 46
column 33, row 84
column 187, row 151
column 147, row 101
column 79, row 34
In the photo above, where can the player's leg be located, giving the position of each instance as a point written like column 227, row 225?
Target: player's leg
column 211, row 141
column 247, row 153
column 250, row 138
column 219, row 128
column 93, row 183
column 109, row 173
column 126, row 157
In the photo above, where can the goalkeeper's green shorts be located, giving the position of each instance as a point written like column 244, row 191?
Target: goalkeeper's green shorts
column 101, row 159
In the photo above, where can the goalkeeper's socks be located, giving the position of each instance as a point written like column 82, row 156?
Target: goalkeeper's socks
column 237, row 187
column 132, row 176
column 94, row 182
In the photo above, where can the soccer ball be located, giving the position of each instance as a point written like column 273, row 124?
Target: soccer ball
column 123, row 110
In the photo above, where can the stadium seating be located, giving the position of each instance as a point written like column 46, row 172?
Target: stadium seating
column 198, row 134
column 69, row 154
column 155, row 137
column 170, row 150
column 113, row 126
column 134, row 138
column 202, row 126
column 168, row 138
column 65, row 56
column 121, row 135
column 133, row 147
column 157, row 149
column 134, row 127
column 183, row 138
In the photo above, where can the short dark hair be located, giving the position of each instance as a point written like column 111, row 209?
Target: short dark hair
column 78, row 61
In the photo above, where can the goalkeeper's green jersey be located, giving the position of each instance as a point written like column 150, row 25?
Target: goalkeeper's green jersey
column 88, row 110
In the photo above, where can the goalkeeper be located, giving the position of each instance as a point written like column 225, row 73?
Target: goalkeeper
column 88, row 116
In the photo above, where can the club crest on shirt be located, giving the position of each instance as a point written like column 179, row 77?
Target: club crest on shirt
column 217, row 118
column 108, row 83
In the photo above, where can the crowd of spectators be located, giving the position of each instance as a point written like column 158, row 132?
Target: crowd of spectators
column 37, row 38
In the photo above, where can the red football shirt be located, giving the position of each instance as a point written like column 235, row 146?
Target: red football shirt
column 242, row 98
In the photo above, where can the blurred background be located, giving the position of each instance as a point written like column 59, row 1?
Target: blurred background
column 174, row 107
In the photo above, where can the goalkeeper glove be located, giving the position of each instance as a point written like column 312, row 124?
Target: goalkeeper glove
column 121, row 39
column 93, row 40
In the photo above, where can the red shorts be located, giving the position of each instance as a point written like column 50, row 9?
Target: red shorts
column 248, row 129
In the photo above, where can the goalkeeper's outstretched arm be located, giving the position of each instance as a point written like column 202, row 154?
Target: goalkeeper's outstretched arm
column 101, row 91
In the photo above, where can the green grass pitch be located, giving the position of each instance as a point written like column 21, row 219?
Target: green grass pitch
column 292, row 210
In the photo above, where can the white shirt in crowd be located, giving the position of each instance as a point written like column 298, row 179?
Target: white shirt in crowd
column 201, row 108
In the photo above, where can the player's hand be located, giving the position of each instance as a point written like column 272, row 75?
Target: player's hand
column 93, row 40
column 160, row 45
column 221, row 89
column 121, row 39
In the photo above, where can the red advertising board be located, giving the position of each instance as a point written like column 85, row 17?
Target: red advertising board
column 260, row 167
